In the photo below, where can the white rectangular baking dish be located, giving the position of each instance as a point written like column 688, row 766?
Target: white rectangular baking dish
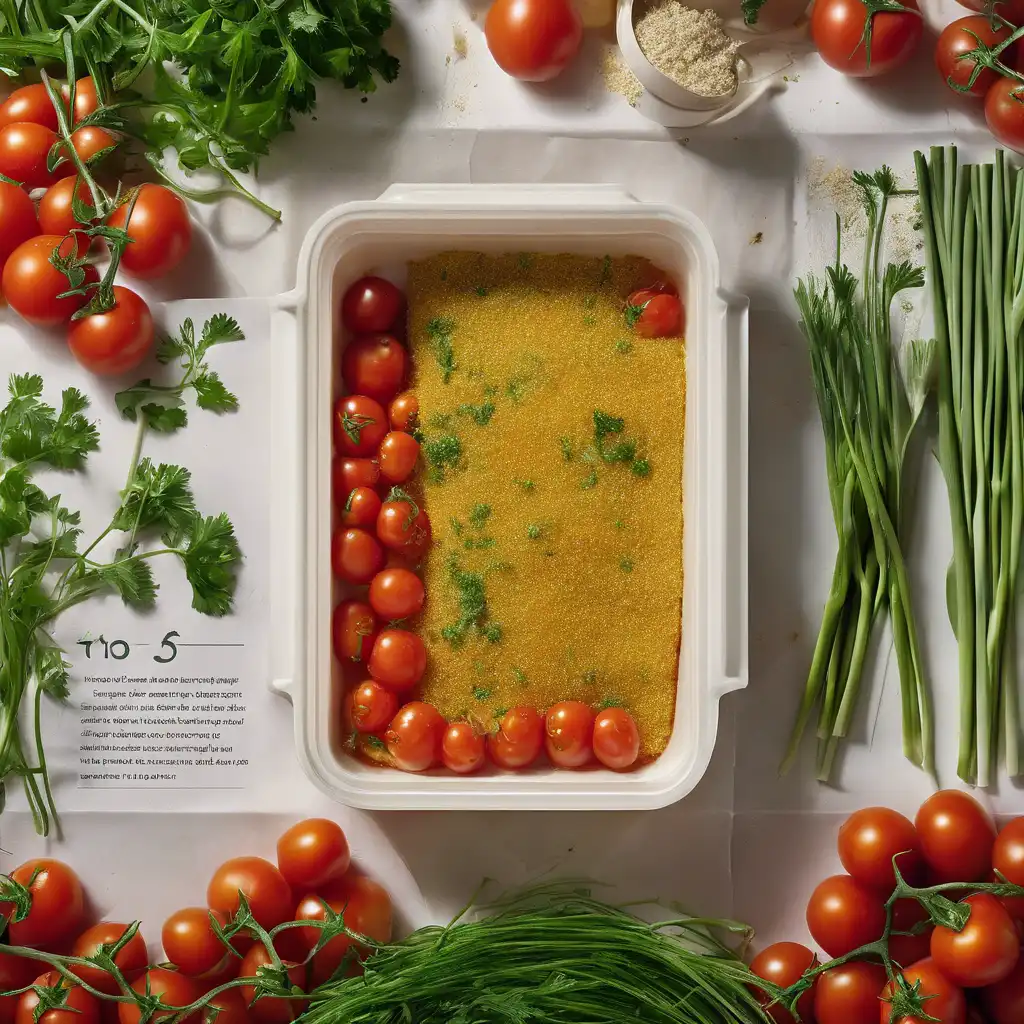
column 410, row 222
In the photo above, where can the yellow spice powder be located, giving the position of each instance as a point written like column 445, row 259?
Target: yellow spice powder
column 578, row 559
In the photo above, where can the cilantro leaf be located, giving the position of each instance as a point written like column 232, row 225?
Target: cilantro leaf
column 52, row 672
column 156, row 496
column 209, row 551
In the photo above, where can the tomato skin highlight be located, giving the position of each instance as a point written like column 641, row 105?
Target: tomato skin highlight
column 190, row 943
column 463, row 749
column 116, row 341
column 533, row 40
column 370, row 305
column 374, row 365
column 360, row 424
column 31, row 284
column 86, row 99
column 519, row 739
column 415, row 735
column 957, row 837
column 356, row 557
column 398, row 455
column 312, row 853
column 24, row 148
column 396, row 594
column 18, row 221
column 984, row 952
column 849, row 994
column 371, row 706
column 947, row 1003
column 404, row 411
column 354, row 630
column 783, row 963
column 30, row 103
column 837, row 27
column 90, row 141
column 269, row 895
column 843, row 914
column 569, row 734
column 58, row 904
column 132, row 959
column 616, row 739
column 160, row 231
column 398, row 659
column 868, row 841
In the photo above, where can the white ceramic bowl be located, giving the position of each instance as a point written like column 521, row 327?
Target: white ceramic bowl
column 411, row 222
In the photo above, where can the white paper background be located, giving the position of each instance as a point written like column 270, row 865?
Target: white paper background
column 742, row 825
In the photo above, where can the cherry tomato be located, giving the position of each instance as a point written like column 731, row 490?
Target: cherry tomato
column 24, row 148
column 17, row 219
column 356, row 557
column 55, row 213
column 348, row 474
column 369, row 306
column 360, row 424
column 868, row 841
column 371, row 706
column 374, row 365
column 463, row 749
column 1011, row 10
column 404, row 529
column 311, row 853
column 361, row 508
column 533, row 40
column 231, row 1008
column 1004, row 1000
column 1008, row 851
column 961, row 37
column 657, row 314
column 80, row 1006
column 519, row 739
column 396, row 594
column 908, row 949
column 31, row 283
column 945, row 1003
column 15, row 972
column 86, row 100
column 843, row 914
column 58, row 904
column 190, row 943
column 837, row 27
column 116, row 341
column 569, row 734
column 269, row 895
column 174, row 990
column 398, row 454
column 849, row 994
column 30, row 103
column 783, row 963
column 404, row 411
column 90, row 142
column 985, row 951
column 616, row 739
column 398, row 659
column 354, row 630
column 269, row 1009
column 414, row 737
column 957, row 837
column 1004, row 113
column 160, row 231
column 132, row 959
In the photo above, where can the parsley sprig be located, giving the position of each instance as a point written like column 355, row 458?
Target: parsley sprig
column 45, row 568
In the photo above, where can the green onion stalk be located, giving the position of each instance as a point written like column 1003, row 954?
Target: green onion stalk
column 870, row 393
column 973, row 222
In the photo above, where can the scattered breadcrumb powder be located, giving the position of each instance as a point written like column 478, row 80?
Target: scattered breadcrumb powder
column 618, row 78
column 460, row 44
column 690, row 47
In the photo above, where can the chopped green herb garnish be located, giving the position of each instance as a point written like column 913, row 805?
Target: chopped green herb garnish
column 533, row 532
column 519, row 676
column 443, row 453
column 479, row 545
column 435, row 475
column 481, row 693
column 480, row 290
column 441, row 420
column 479, row 515
column 589, row 321
column 457, row 527
column 516, row 387
column 633, row 313
column 606, row 270
column 492, row 633
column 624, row 346
column 566, row 448
column 589, row 482
column 641, row 467
column 626, row 564
column 624, row 451
column 527, row 485
column 500, row 712
column 619, row 524
column 473, row 613
column 480, row 414
column 590, row 676
column 439, row 330
column 525, row 261
column 375, row 742
column 417, row 435
column 589, row 301
column 610, row 702
column 605, row 425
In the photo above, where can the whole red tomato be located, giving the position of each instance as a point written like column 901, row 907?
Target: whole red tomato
column 782, row 963
column 17, row 219
column 29, row 103
column 842, row 914
column 79, row 1006
column 519, row 739
column 190, row 942
column 369, row 306
column 1004, row 1000
column 960, row 38
column 942, row 1001
column 1004, row 113
column 374, row 365
column 268, row 1009
column 24, row 148
column 533, row 40
column 115, row 341
column 354, row 630
column 848, row 994
column 90, row 142
column 56, row 215
column 984, row 951
column 415, row 735
column 956, row 835
column 15, row 972
column 313, row 853
column 131, row 958
column 160, row 231
column 868, row 841
column 174, row 989
column 269, row 895
column 31, row 284
column 58, row 904
column 837, row 27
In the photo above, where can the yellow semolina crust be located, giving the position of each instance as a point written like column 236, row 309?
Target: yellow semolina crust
column 576, row 553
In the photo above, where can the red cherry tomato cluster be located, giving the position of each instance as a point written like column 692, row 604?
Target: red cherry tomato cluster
column 313, row 868
column 381, row 536
column 974, row 972
column 31, row 235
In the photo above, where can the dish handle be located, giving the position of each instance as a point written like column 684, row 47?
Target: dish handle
column 732, row 432
column 287, row 506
